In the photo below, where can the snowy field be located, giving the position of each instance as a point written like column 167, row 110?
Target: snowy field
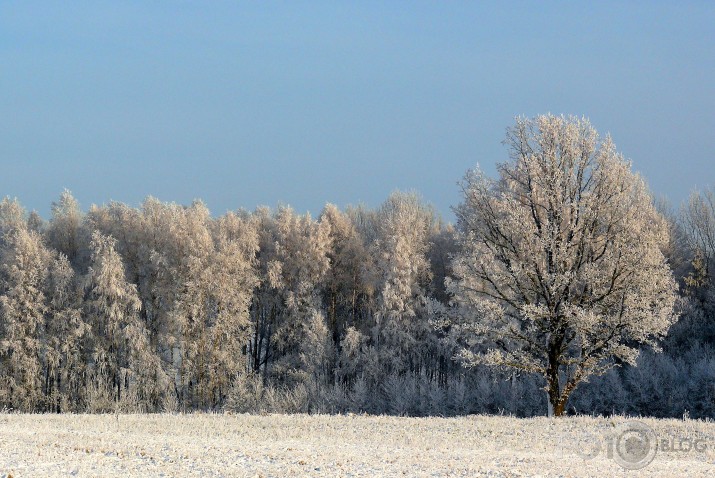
column 335, row 446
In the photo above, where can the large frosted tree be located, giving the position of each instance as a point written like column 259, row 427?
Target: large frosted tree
column 560, row 272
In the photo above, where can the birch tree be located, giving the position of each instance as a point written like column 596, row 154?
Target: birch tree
column 403, row 277
column 65, row 227
column 123, row 361
column 65, row 333
column 232, row 277
column 698, row 223
column 561, row 272
column 23, row 271
column 346, row 289
column 698, row 220
column 301, row 336
column 12, row 218
column 266, row 301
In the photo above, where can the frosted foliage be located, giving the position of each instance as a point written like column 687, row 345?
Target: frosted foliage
column 40, row 328
column 552, row 274
column 64, row 230
column 229, row 281
column 561, row 267
column 123, row 363
column 299, row 265
column 698, row 220
column 65, row 331
column 22, row 307
column 347, row 282
column 402, row 275
column 401, row 250
column 12, row 217
column 211, row 274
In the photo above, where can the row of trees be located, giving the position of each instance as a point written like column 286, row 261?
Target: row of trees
column 165, row 307
column 558, row 273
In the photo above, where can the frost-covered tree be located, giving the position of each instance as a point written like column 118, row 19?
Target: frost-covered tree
column 182, row 262
column 442, row 246
column 65, row 334
column 12, row 218
column 698, row 219
column 35, row 223
column 123, row 365
column 231, row 277
column 23, row 270
column 41, row 358
column 345, row 277
column 266, row 301
column 561, row 272
column 403, row 275
column 697, row 222
column 64, row 231
column 301, row 261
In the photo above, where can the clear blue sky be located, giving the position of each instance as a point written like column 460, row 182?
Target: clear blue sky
column 248, row 103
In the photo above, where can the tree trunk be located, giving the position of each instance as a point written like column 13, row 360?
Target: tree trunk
column 557, row 398
column 557, row 407
column 552, row 379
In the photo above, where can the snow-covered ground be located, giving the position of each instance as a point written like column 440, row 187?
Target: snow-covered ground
column 335, row 446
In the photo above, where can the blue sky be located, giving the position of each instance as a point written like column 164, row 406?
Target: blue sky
column 249, row 103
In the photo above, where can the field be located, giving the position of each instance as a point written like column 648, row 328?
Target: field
column 334, row 446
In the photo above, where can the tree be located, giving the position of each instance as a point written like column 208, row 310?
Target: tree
column 65, row 333
column 65, row 227
column 403, row 275
column 561, row 271
column 698, row 219
column 231, row 277
column 123, row 362
column 182, row 301
column 301, row 340
column 23, row 271
column 345, row 280
column 698, row 224
column 12, row 218
column 41, row 361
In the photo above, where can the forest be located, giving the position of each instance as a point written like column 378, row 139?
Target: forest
column 164, row 307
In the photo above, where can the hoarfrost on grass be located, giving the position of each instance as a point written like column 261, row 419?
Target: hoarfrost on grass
column 331, row 446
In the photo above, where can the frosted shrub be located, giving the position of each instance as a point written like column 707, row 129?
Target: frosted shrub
column 401, row 394
column 360, row 396
column 246, row 394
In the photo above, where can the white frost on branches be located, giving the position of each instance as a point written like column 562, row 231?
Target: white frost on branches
column 561, row 265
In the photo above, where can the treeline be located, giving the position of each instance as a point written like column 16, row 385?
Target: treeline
column 164, row 308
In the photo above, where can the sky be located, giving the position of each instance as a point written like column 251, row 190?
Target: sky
column 243, row 104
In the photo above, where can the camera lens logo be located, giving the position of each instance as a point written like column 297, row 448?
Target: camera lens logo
column 634, row 445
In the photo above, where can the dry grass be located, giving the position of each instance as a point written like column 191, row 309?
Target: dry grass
column 330, row 446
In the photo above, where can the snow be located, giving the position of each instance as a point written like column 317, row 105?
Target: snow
column 332, row 446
